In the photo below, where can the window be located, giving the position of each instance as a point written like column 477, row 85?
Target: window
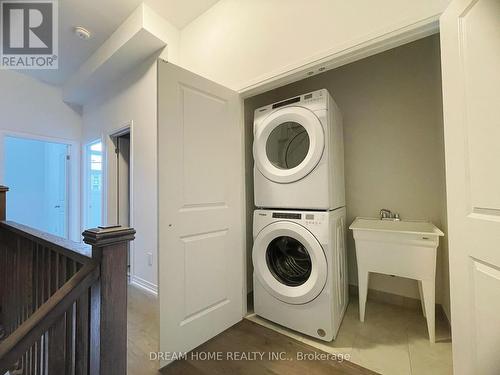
column 93, row 184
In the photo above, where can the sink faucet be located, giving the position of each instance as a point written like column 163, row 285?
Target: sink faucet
column 386, row 214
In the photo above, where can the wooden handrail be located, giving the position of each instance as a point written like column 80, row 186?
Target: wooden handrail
column 79, row 252
column 15, row 345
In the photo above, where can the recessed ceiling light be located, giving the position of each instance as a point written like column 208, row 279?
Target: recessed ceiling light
column 82, row 32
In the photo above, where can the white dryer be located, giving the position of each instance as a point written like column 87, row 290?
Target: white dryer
column 298, row 154
column 300, row 269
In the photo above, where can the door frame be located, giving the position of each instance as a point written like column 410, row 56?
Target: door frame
column 73, row 204
column 109, row 179
column 349, row 52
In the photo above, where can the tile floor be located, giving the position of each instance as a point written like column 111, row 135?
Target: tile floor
column 392, row 340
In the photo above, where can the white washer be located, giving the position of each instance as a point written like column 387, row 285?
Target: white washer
column 299, row 154
column 300, row 269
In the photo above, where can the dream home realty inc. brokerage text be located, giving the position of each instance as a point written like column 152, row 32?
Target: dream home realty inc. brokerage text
column 248, row 356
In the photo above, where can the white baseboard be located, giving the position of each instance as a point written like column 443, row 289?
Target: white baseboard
column 144, row 285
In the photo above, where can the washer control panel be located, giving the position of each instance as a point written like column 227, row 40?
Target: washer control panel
column 307, row 218
column 312, row 219
column 287, row 215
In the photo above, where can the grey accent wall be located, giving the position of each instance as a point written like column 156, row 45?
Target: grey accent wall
column 394, row 151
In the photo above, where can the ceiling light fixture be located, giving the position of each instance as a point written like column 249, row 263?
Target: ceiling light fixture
column 82, row 32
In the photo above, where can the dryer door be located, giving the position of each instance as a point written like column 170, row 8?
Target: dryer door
column 288, row 144
column 289, row 262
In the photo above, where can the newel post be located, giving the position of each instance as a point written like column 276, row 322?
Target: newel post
column 3, row 202
column 108, row 351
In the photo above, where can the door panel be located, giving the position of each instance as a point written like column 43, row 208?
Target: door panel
column 480, row 30
column 205, row 272
column 200, row 208
column 470, row 42
column 60, row 196
column 486, row 310
column 204, row 147
column 56, row 188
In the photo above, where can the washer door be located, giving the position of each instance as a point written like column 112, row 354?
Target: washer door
column 289, row 262
column 288, row 144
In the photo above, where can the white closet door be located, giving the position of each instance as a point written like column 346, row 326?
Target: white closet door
column 470, row 41
column 201, row 240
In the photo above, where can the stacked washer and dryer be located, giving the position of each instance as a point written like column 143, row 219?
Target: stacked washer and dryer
column 299, row 256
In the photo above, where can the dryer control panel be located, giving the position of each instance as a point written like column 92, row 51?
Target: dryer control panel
column 315, row 100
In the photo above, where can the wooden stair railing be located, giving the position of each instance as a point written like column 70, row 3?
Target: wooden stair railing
column 63, row 305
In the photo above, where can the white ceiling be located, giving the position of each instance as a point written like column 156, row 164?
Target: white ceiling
column 180, row 12
column 102, row 18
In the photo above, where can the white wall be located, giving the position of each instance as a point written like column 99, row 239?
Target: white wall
column 239, row 43
column 164, row 30
column 393, row 134
column 30, row 106
column 33, row 109
column 133, row 99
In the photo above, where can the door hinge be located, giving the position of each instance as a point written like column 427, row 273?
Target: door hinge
column 68, row 157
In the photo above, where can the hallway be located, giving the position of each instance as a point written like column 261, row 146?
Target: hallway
column 143, row 333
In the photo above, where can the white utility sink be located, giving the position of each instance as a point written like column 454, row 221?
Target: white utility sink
column 407, row 227
column 401, row 248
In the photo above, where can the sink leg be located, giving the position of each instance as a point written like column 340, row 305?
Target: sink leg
column 421, row 296
column 363, row 277
column 429, row 291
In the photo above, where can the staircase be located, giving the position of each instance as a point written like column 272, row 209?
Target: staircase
column 63, row 305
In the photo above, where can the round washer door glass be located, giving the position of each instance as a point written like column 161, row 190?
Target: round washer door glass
column 289, row 261
column 287, row 145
